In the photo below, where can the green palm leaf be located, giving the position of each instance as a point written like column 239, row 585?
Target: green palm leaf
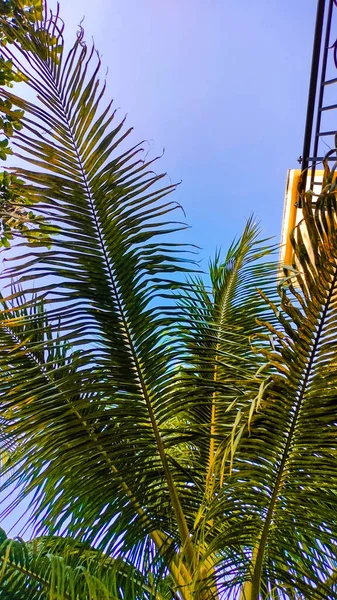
column 60, row 568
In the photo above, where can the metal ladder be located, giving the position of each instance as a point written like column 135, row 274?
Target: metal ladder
column 320, row 137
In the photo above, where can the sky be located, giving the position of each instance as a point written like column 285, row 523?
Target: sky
column 221, row 86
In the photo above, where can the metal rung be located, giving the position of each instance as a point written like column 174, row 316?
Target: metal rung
column 318, row 159
column 323, row 133
column 331, row 107
column 330, row 81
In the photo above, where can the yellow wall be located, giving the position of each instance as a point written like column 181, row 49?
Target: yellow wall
column 292, row 215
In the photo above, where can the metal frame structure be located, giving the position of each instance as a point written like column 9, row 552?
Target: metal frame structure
column 324, row 63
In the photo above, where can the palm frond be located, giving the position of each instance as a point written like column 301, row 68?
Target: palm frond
column 110, row 268
column 220, row 325
column 277, row 501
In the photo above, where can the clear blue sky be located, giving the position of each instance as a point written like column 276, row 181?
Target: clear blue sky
column 222, row 86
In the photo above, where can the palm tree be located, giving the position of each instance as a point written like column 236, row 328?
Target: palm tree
column 178, row 437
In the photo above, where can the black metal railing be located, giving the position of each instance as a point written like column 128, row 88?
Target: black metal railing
column 320, row 137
